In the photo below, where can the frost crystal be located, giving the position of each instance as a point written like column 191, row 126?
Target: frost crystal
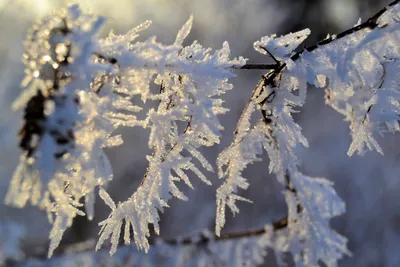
column 191, row 82
column 281, row 47
column 79, row 89
column 63, row 159
column 357, row 69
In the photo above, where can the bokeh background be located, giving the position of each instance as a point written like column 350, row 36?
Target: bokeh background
column 369, row 185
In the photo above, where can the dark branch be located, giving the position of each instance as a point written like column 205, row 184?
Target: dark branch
column 110, row 60
column 113, row 61
column 371, row 23
column 270, row 80
column 192, row 240
column 278, row 225
column 257, row 67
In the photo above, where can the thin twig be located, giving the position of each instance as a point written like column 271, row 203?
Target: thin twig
column 269, row 80
column 278, row 225
column 250, row 66
column 257, row 67
column 192, row 240
column 371, row 23
column 188, row 125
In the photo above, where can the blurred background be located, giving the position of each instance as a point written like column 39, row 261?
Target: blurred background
column 369, row 185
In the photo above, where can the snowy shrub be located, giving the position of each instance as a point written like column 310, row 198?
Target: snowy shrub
column 79, row 88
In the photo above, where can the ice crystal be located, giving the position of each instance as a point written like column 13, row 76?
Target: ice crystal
column 191, row 82
column 79, row 89
column 357, row 70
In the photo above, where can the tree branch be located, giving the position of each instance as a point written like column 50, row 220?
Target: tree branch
column 257, row 67
column 277, row 225
column 277, row 67
column 269, row 79
column 192, row 240
column 250, row 66
column 370, row 23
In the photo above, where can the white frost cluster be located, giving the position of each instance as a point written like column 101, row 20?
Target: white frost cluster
column 64, row 161
column 212, row 253
column 359, row 74
column 79, row 89
column 358, row 71
column 191, row 81
column 281, row 48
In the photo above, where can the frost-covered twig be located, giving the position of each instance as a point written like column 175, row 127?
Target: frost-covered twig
column 247, row 66
column 199, row 250
column 190, row 93
column 102, row 77
column 199, row 239
column 284, row 88
column 79, row 89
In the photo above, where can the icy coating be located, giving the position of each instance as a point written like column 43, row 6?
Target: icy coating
column 358, row 72
column 71, row 116
column 79, row 88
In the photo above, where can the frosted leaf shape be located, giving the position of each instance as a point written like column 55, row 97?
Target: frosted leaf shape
column 107, row 199
column 184, row 32
column 114, row 41
column 281, row 47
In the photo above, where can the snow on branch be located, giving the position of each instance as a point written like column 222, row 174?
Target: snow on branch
column 203, row 247
column 355, row 68
column 191, row 82
column 62, row 160
column 79, row 88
